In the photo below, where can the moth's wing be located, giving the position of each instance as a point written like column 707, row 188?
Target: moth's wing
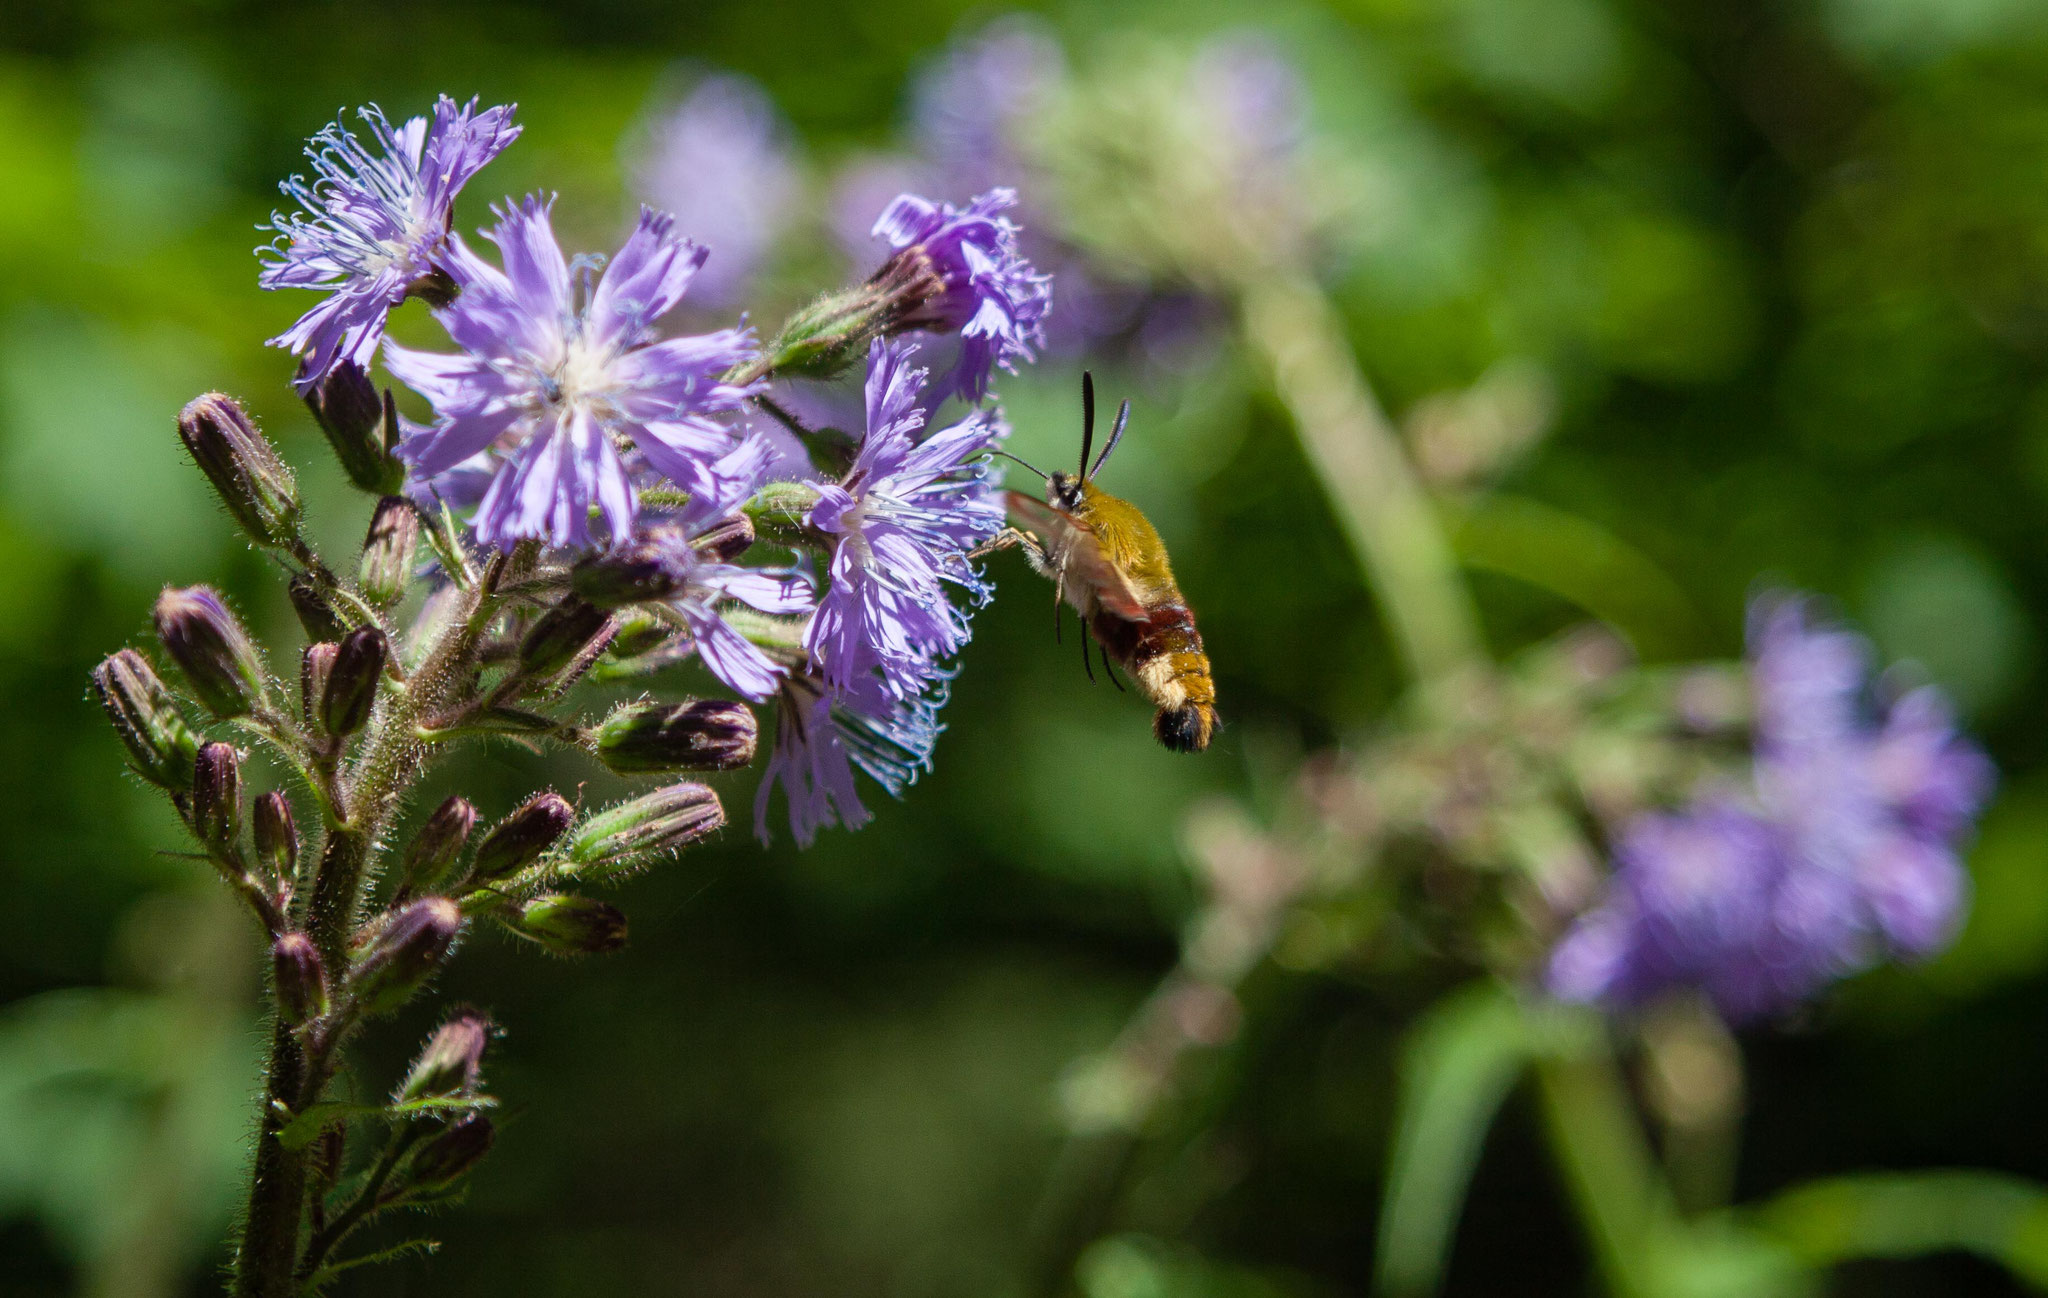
column 1082, row 561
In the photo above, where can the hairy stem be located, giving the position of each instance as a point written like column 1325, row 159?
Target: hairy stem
column 277, row 1181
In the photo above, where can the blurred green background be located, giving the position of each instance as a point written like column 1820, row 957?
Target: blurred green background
column 1779, row 270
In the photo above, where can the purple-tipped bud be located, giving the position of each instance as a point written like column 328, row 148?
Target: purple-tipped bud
column 211, row 648
column 571, row 925
column 315, row 611
column 726, row 541
column 301, row 980
column 403, row 956
column 430, row 860
column 316, row 665
column 626, row 575
column 243, row 467
column 450, row 1062
column 707, row 735
column 359, row 427
column 521, row 838
column 217, row 797
column 147, row 719
column 448, row 1157
column 386, row 565
column 562, row 634
column 277, row 837
column 351, row 689
column 640, row 832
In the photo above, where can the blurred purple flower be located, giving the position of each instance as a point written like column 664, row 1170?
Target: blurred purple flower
column 966, row 106
column 722, row 163
column 904, row 519
column 988, row 292
column 1844, row 854
column 823, row 734
column 556, row 374
column 373, row 224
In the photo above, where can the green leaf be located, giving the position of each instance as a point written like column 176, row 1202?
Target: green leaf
column 304, row 1129
column 1896, row 1215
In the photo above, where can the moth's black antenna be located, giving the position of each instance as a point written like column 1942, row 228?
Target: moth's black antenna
column 1021, row 460
column 1087, row 664
column 1116, row 434
column 1109, row 670
column 1087, row 419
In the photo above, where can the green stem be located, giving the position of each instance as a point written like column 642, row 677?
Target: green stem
column 1607, row 1166
column 327, row 1239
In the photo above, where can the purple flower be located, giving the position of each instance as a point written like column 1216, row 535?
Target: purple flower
column 722, row 163
column 985, row 288
column 1842, row 854
column 374, row 225
column 904, row 518
column 823, row 734
column 558, row 376
column 967, row 106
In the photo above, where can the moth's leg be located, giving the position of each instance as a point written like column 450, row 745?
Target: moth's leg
column 1034, row 552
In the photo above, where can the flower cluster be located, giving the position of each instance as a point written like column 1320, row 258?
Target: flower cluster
column 1841, row 852
column 570, row 414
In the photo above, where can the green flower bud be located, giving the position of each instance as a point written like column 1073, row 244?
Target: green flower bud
column 637, row 571
column 316, row 665
column 211, row 648
column 217, row 798
column 450, row 1062
column 147, row 719
column 403, row 956
column 638, row 833
column 521, row 838
column 243, row 467
column 430, row 859
column 300, row 979
column 386, row 565
column 315, row 611
column 448, row 1157
column 707, row 735
column 571, row 925
column 351, row 689
column 562, row 634
column 277, row 837
column 360, row 426
column 725, row 542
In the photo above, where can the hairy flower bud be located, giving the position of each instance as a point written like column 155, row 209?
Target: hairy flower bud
column 276, row 835
column 211, row 648
column 217, row 797
column 359, row 426
column 639, row 832
column 519, row 839
column 430, row 860
column 301, row 980
column 571, row 925
column 386, row 564
column 561, row 634
column 315, row 611
column 403, row 956
column 147, row 719
column 633, row 572
column 726, row 541
column 243, row 467
column 316, row 665
column 448, row 1157
column 450, row 1062
column 706, row 735
column 351, row 689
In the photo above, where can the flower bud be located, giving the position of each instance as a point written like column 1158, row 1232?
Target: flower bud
column 638, row 571
column 243, row 467
column 570, row 925
column 725, row 541
column 449, row 1063
column 147, row 719
column 639, row 832
column 638, row 634
column 448, row 1157
column 706, row 735
column 315, row 611
column 217, row 797
column 316, row 665
column 403, row 956
column 277, row 837
column 210, row 646
column 386, row 564
column 351, row 689
column 301, row 979
column 359, row 426
column 519, row 839
column 562, row 633
column 430, row 860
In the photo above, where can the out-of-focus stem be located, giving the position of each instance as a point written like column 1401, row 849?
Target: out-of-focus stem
column 1607, row 1166
column 1365, row 472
